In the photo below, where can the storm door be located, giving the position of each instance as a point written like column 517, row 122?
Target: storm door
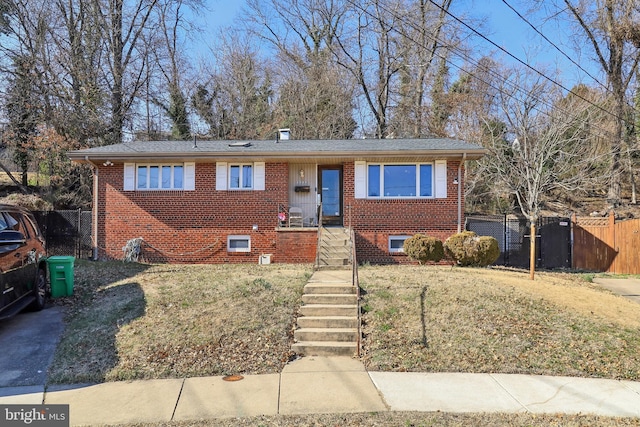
column 330, row 185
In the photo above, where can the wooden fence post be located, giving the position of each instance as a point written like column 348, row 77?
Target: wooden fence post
column 611, row 236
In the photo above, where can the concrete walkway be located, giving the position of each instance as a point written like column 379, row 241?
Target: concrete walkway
column 625, row 287
column 331, row 385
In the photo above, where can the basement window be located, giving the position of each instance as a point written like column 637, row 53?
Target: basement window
column 238, row 244
column 396, row 244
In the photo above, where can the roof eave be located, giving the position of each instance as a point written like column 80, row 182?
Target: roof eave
column 80, row 157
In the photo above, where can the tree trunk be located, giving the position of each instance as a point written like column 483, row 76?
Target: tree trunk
column 532, row 258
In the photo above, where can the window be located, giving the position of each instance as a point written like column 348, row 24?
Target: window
column 396, row 243
column 159, row 177
column 238, row 244
column 400, row 180
column 241, row 177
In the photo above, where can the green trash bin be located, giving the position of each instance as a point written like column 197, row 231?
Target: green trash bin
column 61, row 275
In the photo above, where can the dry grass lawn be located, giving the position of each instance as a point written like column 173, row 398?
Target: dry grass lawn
column 486, row 320
column 415, row 419
column 134, row 321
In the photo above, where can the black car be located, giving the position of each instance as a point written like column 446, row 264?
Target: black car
column 23, row 267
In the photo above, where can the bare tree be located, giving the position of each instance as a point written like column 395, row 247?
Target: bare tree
column 235, row 98
column 315, row 101
column 74, row 99
column 367, row 49
column 543, row 149
column 168, row 62
column 86, row 58
column 22, row 109
column 124, row 25
column 611, row 28
column 314, row 96
column 473, row 115
column 425, row 45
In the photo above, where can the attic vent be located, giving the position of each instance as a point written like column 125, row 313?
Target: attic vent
column 240, row 144
column 284, row 134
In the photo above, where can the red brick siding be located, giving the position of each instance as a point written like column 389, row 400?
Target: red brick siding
column 192, row 226
column 297, row 246
column 375, row 220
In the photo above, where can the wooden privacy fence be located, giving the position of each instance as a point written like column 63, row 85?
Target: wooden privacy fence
column 604, row 244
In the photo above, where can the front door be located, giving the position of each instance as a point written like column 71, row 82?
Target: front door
column 330, row 183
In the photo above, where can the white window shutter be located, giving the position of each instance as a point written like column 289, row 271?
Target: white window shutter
column 221, row 176
column 258, row 176
column 360, row 180
column 129, row 177
column 189, row 176
column 441, row 179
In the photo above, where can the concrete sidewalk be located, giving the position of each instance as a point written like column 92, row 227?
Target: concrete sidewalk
column 332, row 385
column 628, row 287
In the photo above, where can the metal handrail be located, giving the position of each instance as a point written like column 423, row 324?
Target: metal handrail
column 356, row 282
column 351, row 236
column 319, row 238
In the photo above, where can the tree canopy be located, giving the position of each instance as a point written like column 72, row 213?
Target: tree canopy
column 84, row 73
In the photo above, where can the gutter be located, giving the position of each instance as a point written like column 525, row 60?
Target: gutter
column 213, row 156
column 94, row 210
column 462, row 161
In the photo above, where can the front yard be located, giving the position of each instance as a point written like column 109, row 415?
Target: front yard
column 489, row 320
column 134, row 321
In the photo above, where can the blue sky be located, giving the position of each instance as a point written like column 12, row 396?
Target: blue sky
column 501, row 25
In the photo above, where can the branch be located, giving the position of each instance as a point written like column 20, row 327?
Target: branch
column 22, row 188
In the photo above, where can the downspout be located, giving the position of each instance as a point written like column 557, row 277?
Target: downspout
column 94, row 211
column 464, row 157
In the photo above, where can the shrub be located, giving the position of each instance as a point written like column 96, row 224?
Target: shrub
column 423, row 248
column 28, row 201
column 488, row 250
column 467, row 248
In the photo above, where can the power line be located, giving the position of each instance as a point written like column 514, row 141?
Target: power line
column 553, row 44
column 464, row 56
column 524, row 63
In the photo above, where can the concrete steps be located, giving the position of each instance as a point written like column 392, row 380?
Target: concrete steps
column 334, row 248
column 328, row 324
column 323, row 348
column 333, row 299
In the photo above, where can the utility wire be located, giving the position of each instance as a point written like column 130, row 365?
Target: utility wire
column 524, row 63
column 553, row 44
column 464, row 55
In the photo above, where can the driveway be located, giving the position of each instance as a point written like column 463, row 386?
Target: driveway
column 28, row 342
column 628, row 288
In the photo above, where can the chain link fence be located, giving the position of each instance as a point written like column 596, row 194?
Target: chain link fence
column 553, row 239
column 66, row 232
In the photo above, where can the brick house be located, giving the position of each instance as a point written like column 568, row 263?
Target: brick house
column 242, row 201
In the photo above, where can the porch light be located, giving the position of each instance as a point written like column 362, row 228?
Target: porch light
column 255, row 227
column 301, row 173
column 455, row 181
